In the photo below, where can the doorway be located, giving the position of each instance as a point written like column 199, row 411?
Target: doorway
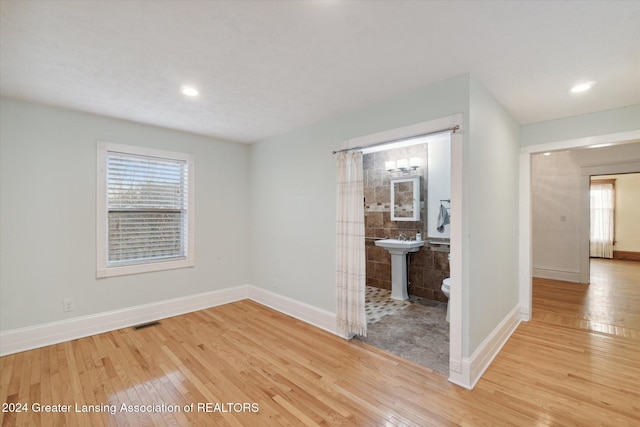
column 416, row 328
column 455, row 299
column 629, row 143
column 615, row 216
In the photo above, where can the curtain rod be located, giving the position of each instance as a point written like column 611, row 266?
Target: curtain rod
column 451, row 129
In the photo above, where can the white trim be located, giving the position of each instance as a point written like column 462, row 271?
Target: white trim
column 525, row 235
column 458, row 286
column 102, row 270
column 456, row 238
column 612, row 138
column 404, row 132
column 525, row 198
column 17, row 340
column 315, row 316
column 473, row 367
column 22, row 339
column 545, row 272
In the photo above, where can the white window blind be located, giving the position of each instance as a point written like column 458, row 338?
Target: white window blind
column 147, row 199
column 146, row 210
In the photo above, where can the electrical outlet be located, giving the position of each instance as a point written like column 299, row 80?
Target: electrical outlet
column 67, row 305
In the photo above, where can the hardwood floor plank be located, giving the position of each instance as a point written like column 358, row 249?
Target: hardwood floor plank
column 554, row 370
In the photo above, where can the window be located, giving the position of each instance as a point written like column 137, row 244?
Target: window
column 145, row 210
column 602, row 206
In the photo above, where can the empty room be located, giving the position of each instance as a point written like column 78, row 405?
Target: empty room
column 407, row 213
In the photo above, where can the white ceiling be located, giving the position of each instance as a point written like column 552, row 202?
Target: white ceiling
column 266, row 67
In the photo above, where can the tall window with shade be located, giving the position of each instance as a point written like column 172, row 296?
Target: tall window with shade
column 602, row 195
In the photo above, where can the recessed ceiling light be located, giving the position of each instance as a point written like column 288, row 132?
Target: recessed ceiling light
column 546, row 154
column 582, row 87
column 189, row 91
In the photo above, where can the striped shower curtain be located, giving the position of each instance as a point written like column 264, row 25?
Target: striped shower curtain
column 350, row 273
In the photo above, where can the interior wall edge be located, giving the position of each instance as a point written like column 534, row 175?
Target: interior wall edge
column 473, row 367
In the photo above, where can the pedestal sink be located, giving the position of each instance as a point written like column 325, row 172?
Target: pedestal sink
column 399, row 250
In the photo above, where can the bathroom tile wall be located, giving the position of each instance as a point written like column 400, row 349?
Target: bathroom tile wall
column 427, row 267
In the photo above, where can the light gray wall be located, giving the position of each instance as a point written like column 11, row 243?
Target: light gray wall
column 48, row 215
column 271, row 205
column 294, row 191
column 586, row 125
column 491, row 173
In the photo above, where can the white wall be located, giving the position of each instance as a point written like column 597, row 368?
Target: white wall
column 48, row 215
column 559, row 191
column 627, row 211
column 491, row 210
column 556, row 216
column 438, row 184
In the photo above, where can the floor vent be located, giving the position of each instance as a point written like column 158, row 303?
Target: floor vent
column 145, row 325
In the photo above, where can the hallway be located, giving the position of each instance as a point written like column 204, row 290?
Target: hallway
column 609, row 304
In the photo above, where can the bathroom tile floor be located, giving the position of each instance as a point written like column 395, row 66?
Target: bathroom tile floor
column 415, row 330
column 378, row 303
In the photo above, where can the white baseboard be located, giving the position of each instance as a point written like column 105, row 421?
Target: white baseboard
column 315, row 316
column 17, row 340
column 549, row 273
column 473, row 367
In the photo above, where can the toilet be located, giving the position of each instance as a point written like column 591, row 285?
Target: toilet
column 446, row 287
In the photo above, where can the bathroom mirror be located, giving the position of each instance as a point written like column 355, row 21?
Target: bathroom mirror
column 405, row 198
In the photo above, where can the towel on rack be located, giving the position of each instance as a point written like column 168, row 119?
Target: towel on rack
column 443, row 218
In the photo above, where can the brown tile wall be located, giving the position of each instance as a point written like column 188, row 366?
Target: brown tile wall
column 427, row 268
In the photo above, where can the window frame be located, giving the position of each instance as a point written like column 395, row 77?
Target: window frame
column 596, row 181
column 102, row 220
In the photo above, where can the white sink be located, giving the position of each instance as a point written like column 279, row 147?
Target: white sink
column 399, row 250
column 403, row 245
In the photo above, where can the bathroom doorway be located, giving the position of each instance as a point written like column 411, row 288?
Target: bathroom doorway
column 455, row 263
column 415, row 329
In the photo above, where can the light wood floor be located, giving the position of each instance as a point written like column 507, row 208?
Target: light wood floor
column 245, row 353
column 610, row 303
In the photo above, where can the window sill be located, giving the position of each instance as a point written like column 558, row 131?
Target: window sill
column 143, row 268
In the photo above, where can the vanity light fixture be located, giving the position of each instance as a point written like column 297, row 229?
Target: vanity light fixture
column 403, row 165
